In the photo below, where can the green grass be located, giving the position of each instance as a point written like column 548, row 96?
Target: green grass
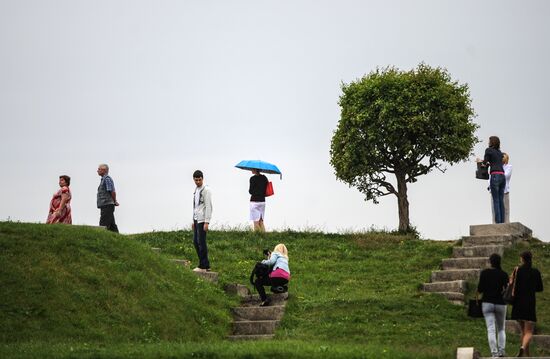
column 86, row 293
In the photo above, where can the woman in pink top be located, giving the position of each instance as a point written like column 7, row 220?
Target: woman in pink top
column 280, row 272
column 60, row 205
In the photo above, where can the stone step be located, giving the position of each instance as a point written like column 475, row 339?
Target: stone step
column 465, row 263
column 274, row 312
column 515, row 229
column 247, row 327
column 452, row 296
column 455, row 274
column 477, row 251
column 486, row 240
column 251, row 337
column 209, row 276
column 542, row 341
column 458, row 286
column 276, row 299
column 237, row 289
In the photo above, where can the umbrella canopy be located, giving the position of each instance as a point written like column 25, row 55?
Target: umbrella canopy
column 258, row 165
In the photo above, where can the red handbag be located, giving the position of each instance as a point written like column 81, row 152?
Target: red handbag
column 269, row 189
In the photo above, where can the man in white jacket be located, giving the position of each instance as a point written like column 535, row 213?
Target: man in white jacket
column 202, row 212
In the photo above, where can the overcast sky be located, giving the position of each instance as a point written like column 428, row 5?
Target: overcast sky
column 157, row 89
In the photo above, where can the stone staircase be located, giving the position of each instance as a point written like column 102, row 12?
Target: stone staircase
column 468, row 260
column 252, row 322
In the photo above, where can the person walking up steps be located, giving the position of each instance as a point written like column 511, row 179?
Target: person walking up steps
column 492, row 282
column 202, row 212
column 528, row 282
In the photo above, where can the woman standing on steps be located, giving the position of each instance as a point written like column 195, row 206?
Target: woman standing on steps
column 528, row 282
column 280, row 274
column 492, row 282
column 493, row 158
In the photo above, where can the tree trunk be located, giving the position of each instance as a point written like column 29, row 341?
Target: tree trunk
column 403, row 203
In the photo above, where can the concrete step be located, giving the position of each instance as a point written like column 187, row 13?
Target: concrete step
column 458, row 286
column 274, row 312
column 477, row 251
column 455, row 274
column 452, row 296
column 209, row 276
column 515, row 229
column 247, row 327
column 465, row 263
column 486, row 240
column 251, row 337
column 237, row 289
column 542, row 341
column 254, row 300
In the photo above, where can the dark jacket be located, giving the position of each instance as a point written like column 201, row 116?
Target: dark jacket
column 492, row 282
column 258, row 184
column 493, row 158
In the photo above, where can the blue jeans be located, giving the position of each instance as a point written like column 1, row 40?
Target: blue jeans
column 199, row 240
column 498, row 182
column 495, row 317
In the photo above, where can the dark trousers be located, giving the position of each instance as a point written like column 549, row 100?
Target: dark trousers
column 260, row 282
column 199, row 240
column 107, row 218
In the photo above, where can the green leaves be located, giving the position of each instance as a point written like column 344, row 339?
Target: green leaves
column 400, row 122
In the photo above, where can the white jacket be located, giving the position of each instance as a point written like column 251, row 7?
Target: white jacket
column 203, row 212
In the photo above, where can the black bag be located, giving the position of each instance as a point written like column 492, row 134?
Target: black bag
column 509, row 292
column 260, row 271
column 482, row 172
column 474, row 308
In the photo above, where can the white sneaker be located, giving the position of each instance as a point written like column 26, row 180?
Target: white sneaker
column 199, row 270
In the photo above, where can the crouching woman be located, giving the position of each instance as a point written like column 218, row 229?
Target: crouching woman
column 280, row 274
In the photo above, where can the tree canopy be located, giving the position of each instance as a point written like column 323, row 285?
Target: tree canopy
column 401, row 123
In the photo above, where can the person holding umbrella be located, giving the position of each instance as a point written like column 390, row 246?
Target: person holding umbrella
column 258, row 185
column 257, row 189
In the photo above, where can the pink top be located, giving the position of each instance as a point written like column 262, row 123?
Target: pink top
column 280, row 273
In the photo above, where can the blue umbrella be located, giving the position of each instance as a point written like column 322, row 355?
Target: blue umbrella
column 258, row 165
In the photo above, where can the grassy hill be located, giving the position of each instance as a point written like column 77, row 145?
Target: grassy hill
column 70, row 291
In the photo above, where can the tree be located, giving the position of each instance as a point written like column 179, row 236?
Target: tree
column 401, row 123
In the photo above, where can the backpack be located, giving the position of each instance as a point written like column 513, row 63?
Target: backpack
column 260, row 271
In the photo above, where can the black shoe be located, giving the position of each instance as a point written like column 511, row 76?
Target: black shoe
column 520, row 353
column 265, row 303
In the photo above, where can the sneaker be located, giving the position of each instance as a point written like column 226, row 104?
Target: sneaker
column 200, row 270
column 265, row 303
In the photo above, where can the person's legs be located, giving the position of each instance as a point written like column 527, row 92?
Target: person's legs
column 507, row 207
column 203, row 248
column 107, row 218
column 495, row 189
column 501, row 197
column 500, row 322
column 259, row 285
column 521, row 334
column 489, row 315
column 261, row 225
column 196, row 239
column 528, row 329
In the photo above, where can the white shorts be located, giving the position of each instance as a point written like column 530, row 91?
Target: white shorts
column 257, row 211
